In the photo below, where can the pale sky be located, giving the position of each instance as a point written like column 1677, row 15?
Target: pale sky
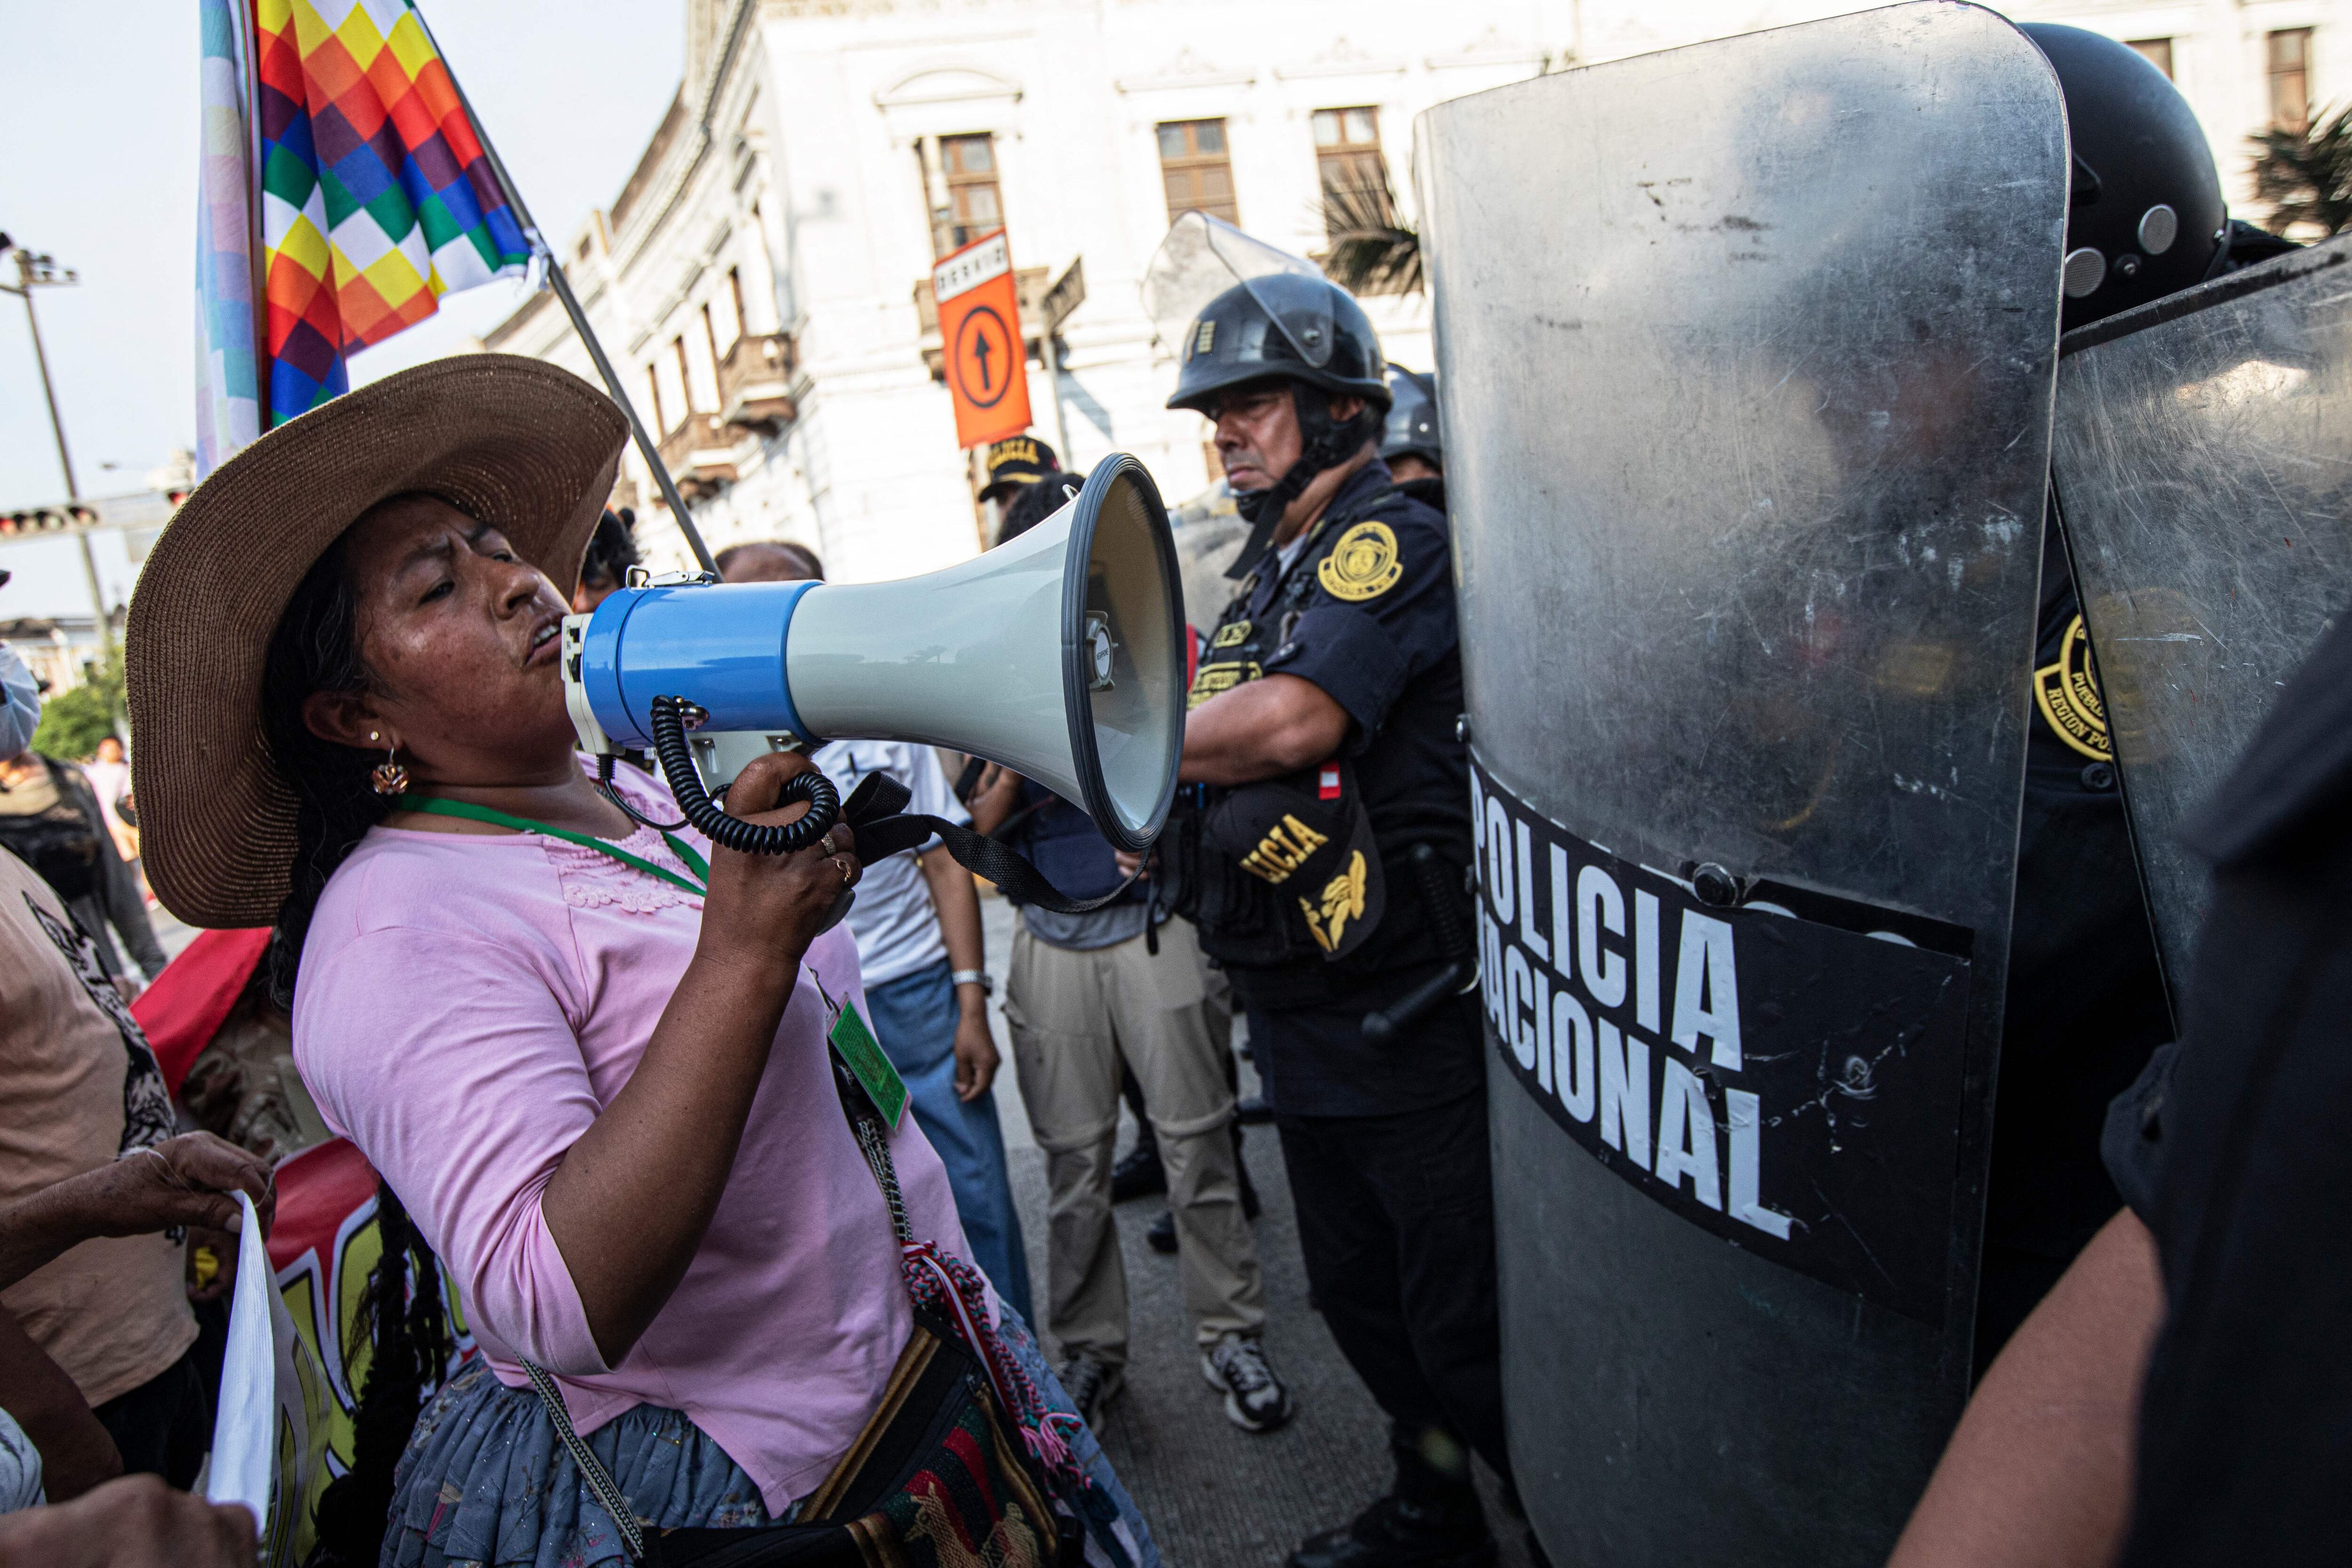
column 100, row 169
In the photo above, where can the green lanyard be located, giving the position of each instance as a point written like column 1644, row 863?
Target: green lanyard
column 684, row 852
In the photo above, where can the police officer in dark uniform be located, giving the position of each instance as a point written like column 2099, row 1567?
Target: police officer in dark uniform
column 1411, row 444
column 2086, row 1002
column 1322, row 736
column 2038, row 1454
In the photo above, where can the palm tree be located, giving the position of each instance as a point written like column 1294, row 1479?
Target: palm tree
column 1373, row 250
column 2306, row 176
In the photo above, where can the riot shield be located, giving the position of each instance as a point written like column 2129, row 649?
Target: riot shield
column 2203, row 463
column 1201, row 259
column 1746, row 355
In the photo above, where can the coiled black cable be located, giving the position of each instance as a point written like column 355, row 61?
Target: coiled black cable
column 605, row 782
column 712, row 820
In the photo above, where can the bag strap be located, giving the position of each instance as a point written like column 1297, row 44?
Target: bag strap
column 874, row 1146
column 591, row 1469
column 877, row 810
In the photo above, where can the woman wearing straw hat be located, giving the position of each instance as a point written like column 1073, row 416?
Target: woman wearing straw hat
column 588, row 1057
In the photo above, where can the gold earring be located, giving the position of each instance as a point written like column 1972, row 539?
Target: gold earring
column 390, row 778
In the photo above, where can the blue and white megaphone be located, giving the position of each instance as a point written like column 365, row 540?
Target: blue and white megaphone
column 1060, row 654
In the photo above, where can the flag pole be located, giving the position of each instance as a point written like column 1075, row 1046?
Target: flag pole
column 562, row 286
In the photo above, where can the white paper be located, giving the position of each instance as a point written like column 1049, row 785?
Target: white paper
column 247, row 1418
column 268, row 1436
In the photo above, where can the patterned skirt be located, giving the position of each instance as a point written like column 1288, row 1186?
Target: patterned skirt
column 486, row 1482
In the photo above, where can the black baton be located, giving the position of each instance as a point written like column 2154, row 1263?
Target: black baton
column 1461, row 970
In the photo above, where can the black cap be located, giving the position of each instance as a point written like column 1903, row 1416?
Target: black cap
column 2145, row 215
column 1281, row 324
column 1017, row 460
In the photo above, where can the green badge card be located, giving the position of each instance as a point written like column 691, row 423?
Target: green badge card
column 863, row 1055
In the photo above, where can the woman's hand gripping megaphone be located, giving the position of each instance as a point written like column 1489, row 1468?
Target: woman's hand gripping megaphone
column 764, row 906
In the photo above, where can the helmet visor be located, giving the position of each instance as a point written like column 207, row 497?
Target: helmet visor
column 1202, row 257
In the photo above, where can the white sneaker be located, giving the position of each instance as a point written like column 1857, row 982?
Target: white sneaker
column 1255, row 1400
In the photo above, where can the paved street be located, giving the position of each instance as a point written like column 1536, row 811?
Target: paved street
column 1216, row 1494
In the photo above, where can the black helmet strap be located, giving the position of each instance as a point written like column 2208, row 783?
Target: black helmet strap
column 1328, row 442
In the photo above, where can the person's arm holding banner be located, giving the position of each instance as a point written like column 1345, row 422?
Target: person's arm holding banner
column 186, row 1180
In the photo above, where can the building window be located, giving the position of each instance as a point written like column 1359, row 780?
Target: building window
column 975, row 208
column 710, row 338
column 1197, row 170
column 653, row 401
column 2290, row 62
column 1355, row 175
column 735, row 296
column 2157, row 52
column 676, row 393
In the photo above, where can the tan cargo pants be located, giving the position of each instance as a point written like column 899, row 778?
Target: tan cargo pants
column 1074, row 1017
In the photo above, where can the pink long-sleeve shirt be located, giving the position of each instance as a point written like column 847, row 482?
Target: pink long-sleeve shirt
column 467, row 1005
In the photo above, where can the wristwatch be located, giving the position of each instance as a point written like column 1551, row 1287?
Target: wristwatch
column 975, row 977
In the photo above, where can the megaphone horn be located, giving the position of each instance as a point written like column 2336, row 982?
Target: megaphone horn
column 1059, row 653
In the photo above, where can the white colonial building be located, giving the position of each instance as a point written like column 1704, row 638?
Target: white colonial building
column 761, row 279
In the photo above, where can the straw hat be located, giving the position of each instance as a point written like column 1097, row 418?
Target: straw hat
column 512, row 442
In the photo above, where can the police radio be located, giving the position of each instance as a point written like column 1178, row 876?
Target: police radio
column 1059, row 653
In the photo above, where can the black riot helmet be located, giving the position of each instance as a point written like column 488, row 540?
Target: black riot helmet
column 2145, row 217
column 1412, row 427
column 1283, row 325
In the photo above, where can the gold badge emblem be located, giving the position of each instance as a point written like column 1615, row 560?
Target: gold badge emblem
column 1343, row 900
column 1364, row 564
column 1233, row 636
column 1282, row 850
column 2067, row 693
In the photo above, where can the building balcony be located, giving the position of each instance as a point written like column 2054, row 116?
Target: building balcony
column 755, row 378
column 700, row 455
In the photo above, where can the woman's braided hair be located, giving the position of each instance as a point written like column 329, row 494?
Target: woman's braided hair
column 408, row 1335
column 315, row 647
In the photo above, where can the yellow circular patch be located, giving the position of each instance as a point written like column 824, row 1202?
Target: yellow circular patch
column 2067, row 693
column 1364, row 564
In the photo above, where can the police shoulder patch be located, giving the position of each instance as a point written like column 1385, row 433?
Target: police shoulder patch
column 2067, row 693
column 1364, row 564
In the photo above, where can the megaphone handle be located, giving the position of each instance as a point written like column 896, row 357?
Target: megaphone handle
column 712, row 820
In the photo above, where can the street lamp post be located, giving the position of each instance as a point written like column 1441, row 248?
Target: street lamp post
column 42, row 271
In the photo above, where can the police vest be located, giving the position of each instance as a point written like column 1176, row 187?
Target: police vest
column 1244, row 921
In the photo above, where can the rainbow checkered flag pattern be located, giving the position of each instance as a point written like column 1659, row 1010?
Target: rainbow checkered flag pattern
column 374, row 195
column 376, row 198
column 228, row 373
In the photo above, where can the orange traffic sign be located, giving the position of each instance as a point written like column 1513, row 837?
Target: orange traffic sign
column 980, row 325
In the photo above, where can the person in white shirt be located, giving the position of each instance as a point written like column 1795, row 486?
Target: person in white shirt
column 921, row 956
column 109, row 779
